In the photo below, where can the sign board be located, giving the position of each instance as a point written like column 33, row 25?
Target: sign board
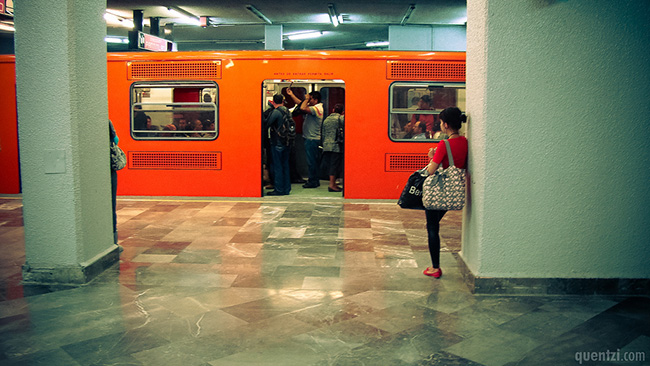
column 153, row 43
column 209, row 22
column 7, row 7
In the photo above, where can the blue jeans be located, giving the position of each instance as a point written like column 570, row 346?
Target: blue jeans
column 281, row 177
column 313, row 161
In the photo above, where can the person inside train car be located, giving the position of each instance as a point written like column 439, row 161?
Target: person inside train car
column 279, row 149
column 169, row 127
column 332, row 149
column 197, row 128
column 151, row 127
column 181, row 125
column 311, row 134
column 420, row 131
column 425, row 105
column 298, row 116
column 139, row 124
column 267, row 160
column 451, row 119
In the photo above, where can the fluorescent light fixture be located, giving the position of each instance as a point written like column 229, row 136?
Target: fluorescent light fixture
column 7, row 27
column 407, row 15
column 116, row 40
column 377, row 44
column 184, row 16
column 334, row 16
column 118, row 20
column 258, row 13
column 111, row 17
column 304, row 35
column 127, row 23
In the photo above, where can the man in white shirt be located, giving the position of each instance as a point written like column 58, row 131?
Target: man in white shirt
column 311, row 129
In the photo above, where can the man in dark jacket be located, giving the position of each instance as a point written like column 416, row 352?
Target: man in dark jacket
column 279, row 150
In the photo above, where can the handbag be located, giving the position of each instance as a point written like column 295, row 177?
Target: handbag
column 445, row 188
column 411, row 196
column 118, row 158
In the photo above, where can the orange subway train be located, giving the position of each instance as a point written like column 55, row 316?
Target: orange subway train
column 191, row 122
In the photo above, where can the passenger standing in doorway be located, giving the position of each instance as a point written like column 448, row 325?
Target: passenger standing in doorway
column 451, row 119
column 279, row 150
column 332, row 147
column 311, row 132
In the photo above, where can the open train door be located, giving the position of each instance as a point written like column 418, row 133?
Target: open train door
column 332, row 93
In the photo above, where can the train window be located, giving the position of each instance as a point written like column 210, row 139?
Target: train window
column 174, row 110
column 415, row 106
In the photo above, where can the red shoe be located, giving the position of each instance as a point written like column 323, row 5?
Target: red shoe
column 435, row 273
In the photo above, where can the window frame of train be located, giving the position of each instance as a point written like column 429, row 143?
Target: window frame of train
column 402, row 92
column 167, row 106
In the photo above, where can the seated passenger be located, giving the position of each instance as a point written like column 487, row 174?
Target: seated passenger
column 169, row 127
column 152, row 127
column 197, row 126
column 181, row 125
column 425, row 105
column 139, row 124
column 209, row 127
column 420, row 131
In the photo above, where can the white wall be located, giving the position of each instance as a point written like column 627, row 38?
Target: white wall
column 559, row 135
column 427, row 38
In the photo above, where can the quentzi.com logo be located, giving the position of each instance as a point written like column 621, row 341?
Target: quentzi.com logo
column 610, row 356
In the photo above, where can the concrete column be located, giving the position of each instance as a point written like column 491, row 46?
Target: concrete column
column 273, row 37
column 557, row 96
column 154, row 28
column 64, row 143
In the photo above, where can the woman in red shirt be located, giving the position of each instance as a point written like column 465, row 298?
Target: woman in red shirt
column 451, row 120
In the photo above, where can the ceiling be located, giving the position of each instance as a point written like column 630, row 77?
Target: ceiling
column 237, row 28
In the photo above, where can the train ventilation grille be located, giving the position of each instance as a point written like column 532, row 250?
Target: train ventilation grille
column 175, row 160
column 426, row 70
column 175, row 70
column 405, row 162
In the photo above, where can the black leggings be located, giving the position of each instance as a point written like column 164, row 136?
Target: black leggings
column 433, row 231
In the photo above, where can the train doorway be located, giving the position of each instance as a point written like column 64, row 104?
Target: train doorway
column 332, row 93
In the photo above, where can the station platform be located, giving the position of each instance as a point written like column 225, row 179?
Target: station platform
column 294, row 280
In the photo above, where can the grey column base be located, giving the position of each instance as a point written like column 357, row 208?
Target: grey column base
column 72, row 275
column 552, row 286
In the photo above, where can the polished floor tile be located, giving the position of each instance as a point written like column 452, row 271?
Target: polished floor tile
column 291, row 281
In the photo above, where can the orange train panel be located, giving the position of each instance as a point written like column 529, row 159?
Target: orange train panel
column 9, row 165
column 230, row 165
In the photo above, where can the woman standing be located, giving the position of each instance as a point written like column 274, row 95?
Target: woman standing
column 451, row 119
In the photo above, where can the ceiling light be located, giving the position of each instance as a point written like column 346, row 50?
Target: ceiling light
column 258, row 13
column 304, row 35
column 334, row 16
column 118, row 20
column 407, row 15
column 111, row 17
column 116, row 40
column 185, row 16
column 7, row 27
column 127, row 23
column 377, row 44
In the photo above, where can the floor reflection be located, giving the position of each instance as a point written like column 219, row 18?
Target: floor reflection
column 272, row 282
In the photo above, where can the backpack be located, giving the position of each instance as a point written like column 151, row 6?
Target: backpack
column 287, row 130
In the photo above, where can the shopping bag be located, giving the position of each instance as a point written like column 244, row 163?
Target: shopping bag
column 411, row 196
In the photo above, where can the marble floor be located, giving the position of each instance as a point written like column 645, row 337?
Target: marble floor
column 294, row 281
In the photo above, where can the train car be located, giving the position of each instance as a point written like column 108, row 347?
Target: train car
column 191, row 122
